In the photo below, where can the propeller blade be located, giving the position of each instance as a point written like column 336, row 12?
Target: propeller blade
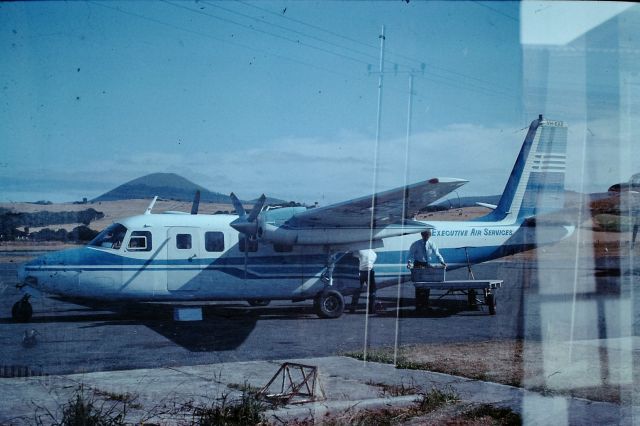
column 196, row 203
column 257, row 208
column 237, row 205
column 246, row 256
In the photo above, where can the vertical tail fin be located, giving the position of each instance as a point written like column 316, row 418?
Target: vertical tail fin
column 536, row 184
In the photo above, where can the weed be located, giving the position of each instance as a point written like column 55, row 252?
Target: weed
column 246, row 411
column 380, row 357
column 125, row 398
column 436, row 398
column 384, row 357
column 501, row 416
column 396, row 390
column 245, row 387
column 84, row 409
column 428, row 402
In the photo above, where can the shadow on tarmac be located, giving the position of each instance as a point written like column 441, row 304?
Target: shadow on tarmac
column 438, row 308
column 223, row 328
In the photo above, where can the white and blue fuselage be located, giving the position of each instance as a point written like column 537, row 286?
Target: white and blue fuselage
column 180, row 262
column 283, row 254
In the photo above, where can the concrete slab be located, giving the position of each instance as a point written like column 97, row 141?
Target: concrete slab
column 169, row 394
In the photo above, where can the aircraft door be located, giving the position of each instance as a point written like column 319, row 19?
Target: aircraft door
column 184, row 264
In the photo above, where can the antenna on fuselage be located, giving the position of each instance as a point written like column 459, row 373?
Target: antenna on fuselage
column 148, row 211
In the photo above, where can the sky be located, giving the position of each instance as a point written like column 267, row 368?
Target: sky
column 281, row 97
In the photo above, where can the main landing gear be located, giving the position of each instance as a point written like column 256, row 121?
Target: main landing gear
column 329, row 303
column 22, row 310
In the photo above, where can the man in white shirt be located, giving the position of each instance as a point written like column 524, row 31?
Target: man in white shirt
column 424, row 253
column 367, row 259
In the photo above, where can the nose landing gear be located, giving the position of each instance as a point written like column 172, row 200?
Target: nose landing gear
column 22, row 311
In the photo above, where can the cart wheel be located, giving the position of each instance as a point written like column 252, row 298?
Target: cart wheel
column 490, row 300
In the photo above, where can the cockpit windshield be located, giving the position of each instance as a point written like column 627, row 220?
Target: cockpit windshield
column 111, row 237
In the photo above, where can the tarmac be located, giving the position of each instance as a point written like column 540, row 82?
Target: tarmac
column 343, row 385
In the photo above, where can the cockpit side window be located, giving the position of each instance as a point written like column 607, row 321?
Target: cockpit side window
column 140, row 241
column 111, row 237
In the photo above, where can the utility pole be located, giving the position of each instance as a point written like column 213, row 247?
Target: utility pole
column 377, row 143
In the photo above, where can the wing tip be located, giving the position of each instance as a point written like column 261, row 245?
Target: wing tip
column 446, row 180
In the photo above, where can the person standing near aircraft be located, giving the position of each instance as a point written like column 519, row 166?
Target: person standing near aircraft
column 367, row 258
column 424, row 252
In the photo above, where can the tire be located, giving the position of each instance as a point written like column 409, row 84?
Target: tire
column 491, row 302
column 422, row 299
column 258, row 302
column 329, row 304
column 22, row 311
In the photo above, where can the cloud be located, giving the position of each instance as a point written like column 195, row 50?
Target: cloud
column 345, row 166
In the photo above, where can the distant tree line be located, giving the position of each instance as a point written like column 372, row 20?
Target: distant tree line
column 11, row 222
column 79, row 234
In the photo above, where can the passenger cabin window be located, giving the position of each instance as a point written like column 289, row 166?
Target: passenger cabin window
column 247, row 245
column 214, row 241
column 140, row 241
column 111, row 237
column 183, row 241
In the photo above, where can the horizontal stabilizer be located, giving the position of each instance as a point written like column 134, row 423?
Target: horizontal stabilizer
column 487, row 205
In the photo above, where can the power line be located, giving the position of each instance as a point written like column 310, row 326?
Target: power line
column 399, row 55
column 499, row 12
column 309, row 25
column 453, row 83
column 291, row 30
column 434, row 77
column 221, row 40
column 249, row 27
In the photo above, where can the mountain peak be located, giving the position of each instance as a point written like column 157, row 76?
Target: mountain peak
column 165, row 185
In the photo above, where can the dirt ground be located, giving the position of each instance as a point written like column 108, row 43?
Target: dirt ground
column 514, row 362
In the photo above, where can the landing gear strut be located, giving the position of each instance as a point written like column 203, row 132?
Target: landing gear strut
column 22, row 311
column 329, row 303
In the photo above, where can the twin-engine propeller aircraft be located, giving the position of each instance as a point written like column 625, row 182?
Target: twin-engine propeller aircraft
column 298, row 253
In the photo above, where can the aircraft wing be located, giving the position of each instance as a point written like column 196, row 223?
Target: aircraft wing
column 390, row 206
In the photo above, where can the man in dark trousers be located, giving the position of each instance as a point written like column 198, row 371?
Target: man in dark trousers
column 367, row 258
column 423, row 254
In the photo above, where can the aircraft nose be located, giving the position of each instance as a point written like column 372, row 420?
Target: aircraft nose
column 27, row 277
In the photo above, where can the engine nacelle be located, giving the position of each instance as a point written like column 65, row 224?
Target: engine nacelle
column 329, row 236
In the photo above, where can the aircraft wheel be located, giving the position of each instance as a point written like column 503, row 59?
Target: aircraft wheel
column 258, row 302
column 329, row 304
column 491, row 302
column 22, row 311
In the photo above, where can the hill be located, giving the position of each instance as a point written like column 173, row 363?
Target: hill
column 168, row 186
